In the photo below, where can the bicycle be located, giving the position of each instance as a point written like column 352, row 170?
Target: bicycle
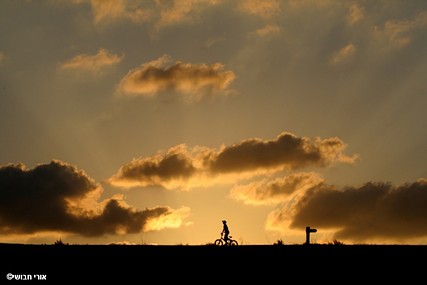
column 222, row 241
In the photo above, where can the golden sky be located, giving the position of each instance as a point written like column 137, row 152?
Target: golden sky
column 150, row 122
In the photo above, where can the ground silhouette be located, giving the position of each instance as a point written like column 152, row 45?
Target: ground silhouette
column 202, row 264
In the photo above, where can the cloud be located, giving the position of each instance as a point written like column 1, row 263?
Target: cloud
column 399, row 34
column 181, row 167
column 161, row 13
column 192, row 80
column 343, row 55
column 213, row 41
column 373, row 211
column 57, row 197
column 264, row 9
column 267, row 192
column 303, row 4
column 176, row 166
column 177, row 11
column 92, row 62
column 356, row 13
column 285, row 151
column 268, row 31
column 114, row 10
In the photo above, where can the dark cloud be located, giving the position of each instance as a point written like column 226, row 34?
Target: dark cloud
column 287, row 150
column 158, row 169
column 55, row 197
column 180, row 167
column 372, row 211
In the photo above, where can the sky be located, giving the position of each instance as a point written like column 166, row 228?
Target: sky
column 151, row 121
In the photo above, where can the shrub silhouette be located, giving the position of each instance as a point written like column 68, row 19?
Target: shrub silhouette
column 336, row 242
column 59, row 242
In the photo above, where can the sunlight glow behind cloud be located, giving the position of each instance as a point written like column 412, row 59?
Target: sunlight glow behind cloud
column 273, row 192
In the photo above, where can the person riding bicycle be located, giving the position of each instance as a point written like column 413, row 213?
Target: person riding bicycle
column 225, row 231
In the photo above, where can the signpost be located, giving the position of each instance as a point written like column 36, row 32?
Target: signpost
column 308, row 230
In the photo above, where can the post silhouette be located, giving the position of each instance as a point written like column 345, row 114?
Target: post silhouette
column 308, row 230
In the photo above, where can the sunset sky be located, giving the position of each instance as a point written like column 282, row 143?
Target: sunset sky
column 151, row 121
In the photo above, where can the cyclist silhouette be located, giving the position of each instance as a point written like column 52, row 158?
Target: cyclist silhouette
column 225, row 239
column 225, row 230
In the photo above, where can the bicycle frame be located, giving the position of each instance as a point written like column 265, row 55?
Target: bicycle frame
column 230, row 241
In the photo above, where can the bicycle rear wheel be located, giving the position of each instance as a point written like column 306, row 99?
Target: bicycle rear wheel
column 219, row 242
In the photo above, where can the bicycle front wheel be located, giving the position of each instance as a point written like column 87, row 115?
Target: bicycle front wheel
column 233, row 242
column 218, row 242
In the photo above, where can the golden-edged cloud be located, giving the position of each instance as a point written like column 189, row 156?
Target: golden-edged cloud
column 194, row 81
column 57, row 197
column 272, row 192
column 285, row 151
column 92, row 62
column 175, row 167
column 181, row 167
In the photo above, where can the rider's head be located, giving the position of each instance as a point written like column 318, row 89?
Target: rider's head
column 224, row 221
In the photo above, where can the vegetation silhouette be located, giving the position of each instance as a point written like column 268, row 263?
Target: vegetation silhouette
column 60, row 242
